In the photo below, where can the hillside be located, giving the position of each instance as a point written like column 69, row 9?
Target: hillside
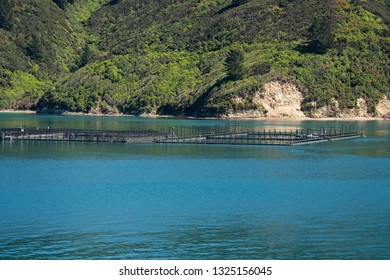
column 266, row 58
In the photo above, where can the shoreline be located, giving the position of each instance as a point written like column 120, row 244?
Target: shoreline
column 18, row 111
column 238, row 118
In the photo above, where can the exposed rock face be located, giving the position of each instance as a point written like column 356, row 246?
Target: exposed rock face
column 333, row 110
column 360, row 111
column 278, row 99
column 327, row 111
column 383, row 108
column 282, row 99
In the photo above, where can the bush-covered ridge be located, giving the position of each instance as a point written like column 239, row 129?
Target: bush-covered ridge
column 172, row 57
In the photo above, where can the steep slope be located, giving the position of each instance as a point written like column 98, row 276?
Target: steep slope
column 40, row 48
column 168, row 57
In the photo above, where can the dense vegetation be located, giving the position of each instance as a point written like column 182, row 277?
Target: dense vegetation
column 189, row 57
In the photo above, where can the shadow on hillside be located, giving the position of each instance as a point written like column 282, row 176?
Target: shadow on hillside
column 199, row 103
column 303, row 49
column 113, row 2
column 235, row 4
column 311, row 48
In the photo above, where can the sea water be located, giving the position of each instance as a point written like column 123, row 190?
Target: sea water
column 64, row 200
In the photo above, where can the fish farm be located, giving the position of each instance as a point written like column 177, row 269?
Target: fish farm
column 229, row 135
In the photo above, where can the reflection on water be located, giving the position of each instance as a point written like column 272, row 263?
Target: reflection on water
column 118, row 201
column 10, row 120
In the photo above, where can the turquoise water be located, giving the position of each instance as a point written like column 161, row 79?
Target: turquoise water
column 123, row 201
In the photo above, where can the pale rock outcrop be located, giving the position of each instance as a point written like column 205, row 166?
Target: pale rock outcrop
column 277, row 99
column 327, row 111
column 282, row 100
column 360, row 111
column 383, row 108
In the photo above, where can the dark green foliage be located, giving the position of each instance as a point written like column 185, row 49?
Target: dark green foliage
column 62, row 3
column 320, row 36
column 234, row 65
column 41, row 47
column 379, row 8
column 261, row 68
column 114, row 2
column 239, row 2
column 35, row 49
column 234, row 4
column 87, row 55
column 177, row 57
column 6, row 14
column 282, row 4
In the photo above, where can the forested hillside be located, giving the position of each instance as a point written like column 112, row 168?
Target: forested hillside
column 186, row 57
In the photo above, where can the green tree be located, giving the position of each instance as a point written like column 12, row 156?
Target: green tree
column 62, row 3
column 6, row 14
column 87, row 55
column 234, row 65
column 320, row 35
column 35, row 48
